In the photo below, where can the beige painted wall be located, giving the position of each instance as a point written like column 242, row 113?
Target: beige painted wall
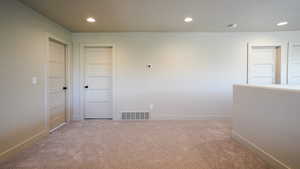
column 192, row 73
column 23, row 38
column 267, row 119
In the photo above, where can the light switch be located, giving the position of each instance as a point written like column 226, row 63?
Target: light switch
column 151, row 106
column 34, row 80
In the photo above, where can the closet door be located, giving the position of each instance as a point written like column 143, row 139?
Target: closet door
column 56, row 84
column 294, row 64
column 98, row 82
column 264, row 65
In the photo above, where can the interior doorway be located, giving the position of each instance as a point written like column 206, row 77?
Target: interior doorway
column 294, row 64
column 56, row 85
column 266, row 64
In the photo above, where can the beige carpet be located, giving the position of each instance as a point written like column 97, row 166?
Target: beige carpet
column 138, row 145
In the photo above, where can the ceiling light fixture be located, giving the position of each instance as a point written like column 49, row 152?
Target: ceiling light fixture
column 91, row 20
column 188, row 19
column 232, row 26
column 282, row 23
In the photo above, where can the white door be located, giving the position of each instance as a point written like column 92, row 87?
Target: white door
column 56, row 84
column 294, row 65
column 264, row 65
column 98, row 82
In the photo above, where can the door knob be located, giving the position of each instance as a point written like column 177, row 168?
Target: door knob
column 65, row 88
column 86, row 87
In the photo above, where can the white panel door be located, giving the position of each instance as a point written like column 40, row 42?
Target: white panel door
column 98, row 82
column 294, row 65
column 56, row 84
column 262, row 65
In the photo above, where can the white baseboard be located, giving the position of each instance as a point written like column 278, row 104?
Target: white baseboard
column 270, row 159
column 4, row 156
column 193, row 117
column 59, row 126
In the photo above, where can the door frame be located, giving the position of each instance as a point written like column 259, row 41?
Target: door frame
column 284, row 57
column 82, row 77
column 68, row 62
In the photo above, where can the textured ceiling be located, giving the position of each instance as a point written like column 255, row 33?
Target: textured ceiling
column 168, row 15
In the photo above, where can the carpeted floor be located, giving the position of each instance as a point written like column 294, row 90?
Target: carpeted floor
column 98, row 144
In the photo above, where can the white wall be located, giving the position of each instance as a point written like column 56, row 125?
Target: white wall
column 267, row 120
column 192, row 74
column 23, row 37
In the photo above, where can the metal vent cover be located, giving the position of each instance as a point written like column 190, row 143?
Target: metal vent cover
column 135, row 115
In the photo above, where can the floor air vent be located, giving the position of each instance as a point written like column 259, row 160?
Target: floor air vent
column 135, row 115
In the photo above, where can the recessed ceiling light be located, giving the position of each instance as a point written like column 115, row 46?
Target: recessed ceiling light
column 282, row 23
column 91, row 20
column 188, row 19
column 234, row 25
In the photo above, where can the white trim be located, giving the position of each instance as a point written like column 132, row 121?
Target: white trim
column 59, row 126
column 21, row 146
column 285, row 88
column 82, row 77
column 69, row 92
column 190, row 117
column 288, row 62
column 284, row 57
column 269, row 158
